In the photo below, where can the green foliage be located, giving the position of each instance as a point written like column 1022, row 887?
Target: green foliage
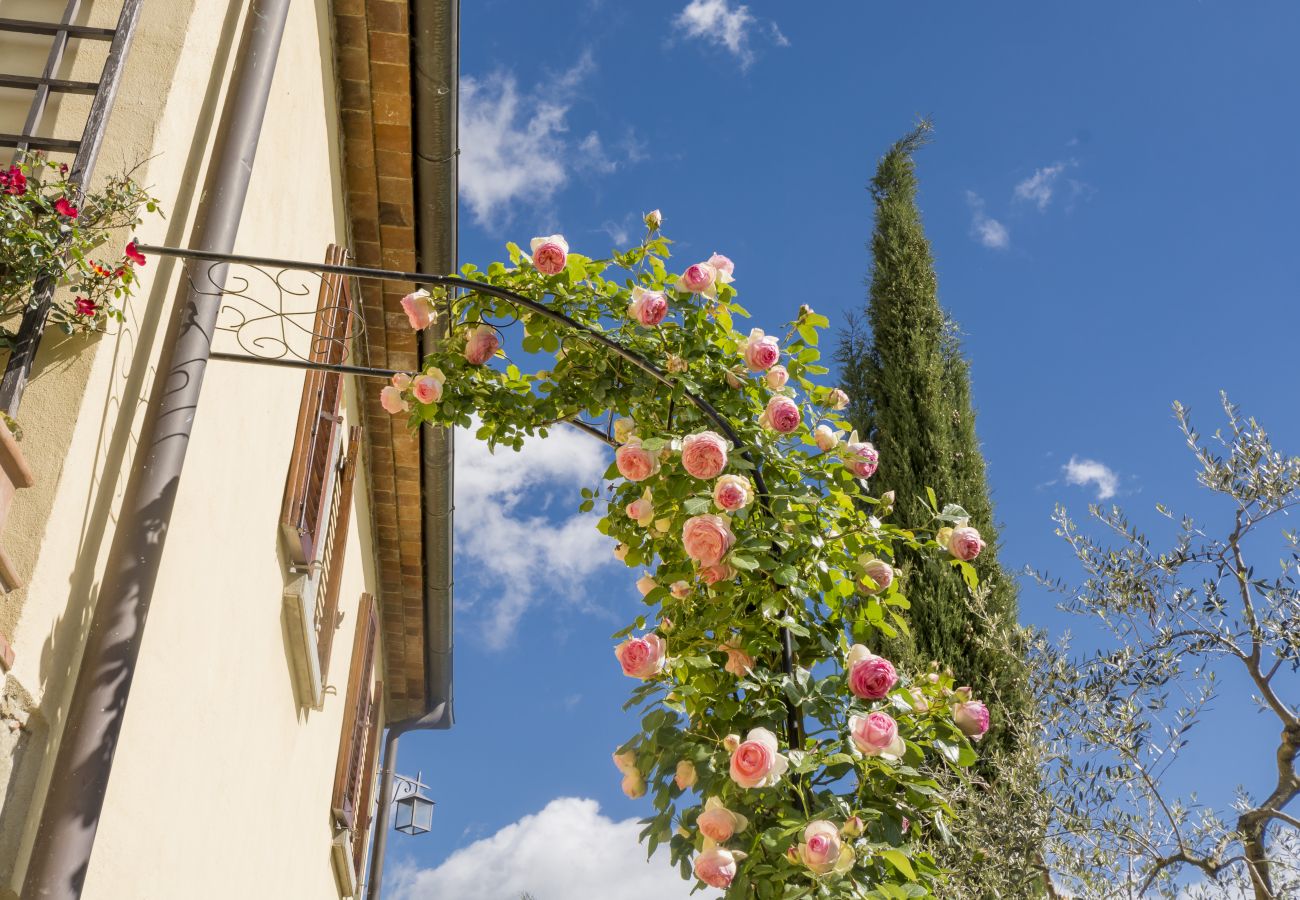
column 799, row 553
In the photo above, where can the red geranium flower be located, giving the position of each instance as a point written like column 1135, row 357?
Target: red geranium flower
column 64, row 208
column 85, row 306
column 134, row 255
column 14, row 181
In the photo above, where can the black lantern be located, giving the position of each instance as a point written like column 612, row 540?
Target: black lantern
column 414, row 810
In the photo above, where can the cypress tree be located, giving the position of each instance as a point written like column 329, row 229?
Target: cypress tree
column 910, row 394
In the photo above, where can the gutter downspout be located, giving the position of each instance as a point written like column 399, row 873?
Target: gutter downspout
column 435, row 69
column 70, row 816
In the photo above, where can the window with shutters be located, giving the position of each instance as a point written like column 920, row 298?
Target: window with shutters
column 358, row 744
column 316, row 510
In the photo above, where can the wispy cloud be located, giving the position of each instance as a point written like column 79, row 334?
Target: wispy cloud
column 515, row 144
column 731, row 27
column 510, row 545
column 1084, row 472
column 1039, row 187
column 988, row 231
column 567, row 850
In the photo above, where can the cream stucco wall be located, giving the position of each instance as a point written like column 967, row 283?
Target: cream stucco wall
column 221, row 782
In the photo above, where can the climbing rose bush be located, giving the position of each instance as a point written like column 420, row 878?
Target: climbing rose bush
column 746, row 519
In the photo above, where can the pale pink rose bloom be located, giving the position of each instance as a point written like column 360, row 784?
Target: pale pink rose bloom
column 427, row 388
column 390, row 398
column 700, row 278
column 876, row 734
column 641, row 510
column 654, row 219
column 623, row 430
column 626, row 762
column 917, row 698
column 633, row 786
column 781, row 415
column 725, row 267
column 838, row 400
column 680, row 590
column 821, row 849
column 665, row 624
column 756, row 762
column 686, row 776
column 734, row 381
column 880, row 572
column 707, row 539
column 870, row 677
column 648, row 307
column 972, row 717
column 965, row 543
column 401, row 380
column 827, row 438
column 731, row 742
column 645, row 584
column 761, row 351
column 732, row 492
column 719, row 824
column 776, row 377
column 634, row 463
column 481, row 345
column 620, row 552
column 642, row 657
column 418, row 308
column 549, row 254
column 738, row 661
column 704, row 455
column 715, row 573
column 861, row 458
column 716, row 867
column 853, row 827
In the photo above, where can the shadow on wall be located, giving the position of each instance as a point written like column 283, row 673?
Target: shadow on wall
column 124, row 393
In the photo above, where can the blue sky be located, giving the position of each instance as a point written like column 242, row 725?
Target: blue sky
column 1111, row 196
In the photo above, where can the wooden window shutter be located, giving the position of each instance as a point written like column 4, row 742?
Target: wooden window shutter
column 362, row 824
column 305, row 510
column 360, row 718
column 327, row 597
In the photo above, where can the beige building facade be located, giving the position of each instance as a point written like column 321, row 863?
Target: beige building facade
column 264, row 680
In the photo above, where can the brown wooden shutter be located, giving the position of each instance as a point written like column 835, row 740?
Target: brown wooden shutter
column 352, row 770
column 305, row 510
column 327, row 603
column 362, row 824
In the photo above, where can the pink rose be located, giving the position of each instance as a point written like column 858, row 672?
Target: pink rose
column 870, row 677
column 718, row 572
column 641, row 510
column 719, row 824
column 704, row 455
column 881, row 573
column 738, row 661
column 821, row 850
column 725, row 268
column 401, row 380
column 731, row 742
column 418, row 308
column 620, row 552
column 853, row 827
column 390, row 398
column 642, row 657
column 427, row 388
column 700, row 278
column 633, row 783
column 776, row 377
column 761, row 351
column 550, row 254
column 481, row 345
column 716, row 867
column 732, row 492
column 707, row 539
column 680, row 590
column 916, row 697
column 837, row 399
column 635, row 463
column 861, row 458
column 876, row 734
column 645, row 584
column 654, row 219
column 781, row 415
column 648, row 307
column 686, row 776
column 972, row 717
column 826, row 437
column 965, row 543
column 633, row 786
column 756, row 762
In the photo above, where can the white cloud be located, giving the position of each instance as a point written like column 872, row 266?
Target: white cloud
column 1038, row 188
column 988, row 231
column 1088, row 471
column 515, row 147
column 718, row 22
column 508, row 548
column 568, row 850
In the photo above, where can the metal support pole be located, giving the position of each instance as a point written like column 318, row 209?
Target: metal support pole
column 70, row 817
column 380, row 843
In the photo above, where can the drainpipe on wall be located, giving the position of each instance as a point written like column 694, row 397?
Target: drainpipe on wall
column 70, row 816
column 435, row 68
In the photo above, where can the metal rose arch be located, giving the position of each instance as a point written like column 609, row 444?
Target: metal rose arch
column 757, row 532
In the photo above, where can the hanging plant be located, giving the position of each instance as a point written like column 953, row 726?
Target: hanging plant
column 781, row 756
column 51, row 229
